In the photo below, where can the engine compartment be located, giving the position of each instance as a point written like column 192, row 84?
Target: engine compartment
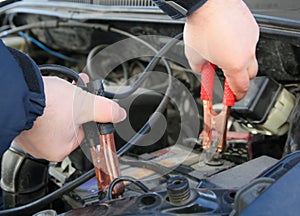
column 115, row 42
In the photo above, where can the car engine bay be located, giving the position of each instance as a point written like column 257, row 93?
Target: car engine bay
column 134, row 54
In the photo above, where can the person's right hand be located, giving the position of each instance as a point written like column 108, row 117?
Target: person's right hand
column 224, row 33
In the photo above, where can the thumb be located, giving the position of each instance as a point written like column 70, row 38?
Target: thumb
column 89, row 107
column 106, row 110
column 196, row 61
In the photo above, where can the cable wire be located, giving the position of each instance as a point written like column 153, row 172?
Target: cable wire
column 126, row 178
column 50, row 197
column 62, row 70
column 163, row 104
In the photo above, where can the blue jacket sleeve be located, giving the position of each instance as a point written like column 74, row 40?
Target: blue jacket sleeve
column 21, row 94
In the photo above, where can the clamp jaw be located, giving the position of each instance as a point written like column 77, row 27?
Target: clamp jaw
column 215, row 124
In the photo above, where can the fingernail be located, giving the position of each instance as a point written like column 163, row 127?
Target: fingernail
column 122, row 114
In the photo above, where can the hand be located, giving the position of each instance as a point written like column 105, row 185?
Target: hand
column 58, row 131
column 224, row 33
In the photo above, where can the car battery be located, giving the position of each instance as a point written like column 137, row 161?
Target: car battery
column 266, row 107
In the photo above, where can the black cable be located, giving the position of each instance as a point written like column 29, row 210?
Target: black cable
column 163, row 104
column 50, row 197
column 125, row 178
column 61, row 70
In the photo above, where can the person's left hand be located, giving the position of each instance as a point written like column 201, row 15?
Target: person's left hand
column 58, row 131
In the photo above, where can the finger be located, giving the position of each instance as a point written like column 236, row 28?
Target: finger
column 252, row 68
column 196, row 61
column 238, row 82
column 241, row 85
column 78, row 139
column 84, row 77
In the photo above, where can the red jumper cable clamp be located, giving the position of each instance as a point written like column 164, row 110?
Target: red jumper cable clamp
column 215, row 124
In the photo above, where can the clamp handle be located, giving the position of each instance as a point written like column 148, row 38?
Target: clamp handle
column 229, row 98
column 207, row 81
column 207, row 85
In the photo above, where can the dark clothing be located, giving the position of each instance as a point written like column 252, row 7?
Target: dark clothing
column 22, row 94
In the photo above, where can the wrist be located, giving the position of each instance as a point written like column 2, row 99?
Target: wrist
column 177, row 9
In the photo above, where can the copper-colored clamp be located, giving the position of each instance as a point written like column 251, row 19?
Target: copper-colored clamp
column 215, row 124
